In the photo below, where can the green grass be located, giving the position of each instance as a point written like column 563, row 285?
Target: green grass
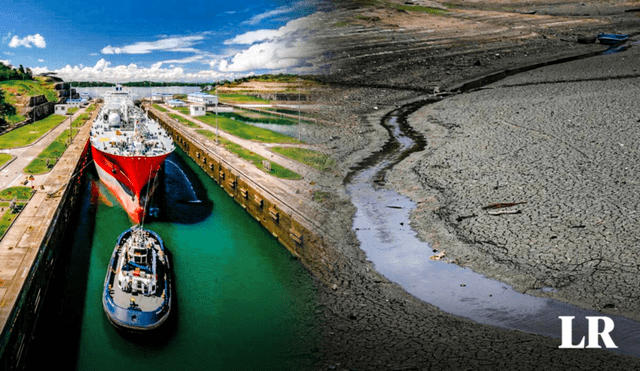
column 72, row 110
column 14, row 119
column 7, row 217
column 13, row 88
column 53, row 152
column 29, row 133
column 246, row 131
column 315, row 159
column 241, row 98
column 80, row 120
column 23, row 193
column 184, row 110
column 159, row 108
column 276, row 169
column 91, row 108
column 183, row 121
column 4, row 158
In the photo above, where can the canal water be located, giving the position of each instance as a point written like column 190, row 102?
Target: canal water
column 242, row 301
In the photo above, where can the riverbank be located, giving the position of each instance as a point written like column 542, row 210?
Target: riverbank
column 371, row 323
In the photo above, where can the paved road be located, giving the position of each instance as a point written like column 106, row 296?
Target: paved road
column 13, row 175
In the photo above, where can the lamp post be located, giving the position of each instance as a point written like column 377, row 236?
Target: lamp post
column 70, row 117
column 217, row 140
column 299, row 109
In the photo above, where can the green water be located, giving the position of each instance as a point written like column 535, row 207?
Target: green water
column 242, row 302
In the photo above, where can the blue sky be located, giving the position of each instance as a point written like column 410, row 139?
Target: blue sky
column 165, row 40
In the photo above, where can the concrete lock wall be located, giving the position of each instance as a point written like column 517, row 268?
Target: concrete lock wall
column 46, row 218
column 292, row 229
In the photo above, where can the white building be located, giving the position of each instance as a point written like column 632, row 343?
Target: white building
column 176, row 103
column 61, row 109
column 202, row 98
column 197, row 110
column 157, row 97
column 76, row 102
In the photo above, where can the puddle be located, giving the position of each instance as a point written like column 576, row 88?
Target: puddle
column 382, row 226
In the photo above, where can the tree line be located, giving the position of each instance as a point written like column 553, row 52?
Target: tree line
column 12, row 73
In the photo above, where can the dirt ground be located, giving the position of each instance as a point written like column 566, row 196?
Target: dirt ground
column 383, row 56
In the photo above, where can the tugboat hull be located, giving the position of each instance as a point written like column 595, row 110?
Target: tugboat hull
column 137, row 294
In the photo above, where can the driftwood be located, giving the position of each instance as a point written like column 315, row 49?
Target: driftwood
column 500, row 205
column 503, row 212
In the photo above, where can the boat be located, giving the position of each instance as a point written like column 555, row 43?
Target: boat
column 129, row 150
column 611, row 38
column 137, row 286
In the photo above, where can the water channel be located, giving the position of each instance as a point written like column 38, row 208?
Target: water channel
column 242, row 302
column 383, row 227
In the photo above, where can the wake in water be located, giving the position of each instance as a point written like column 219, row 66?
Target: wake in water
column 181, row 195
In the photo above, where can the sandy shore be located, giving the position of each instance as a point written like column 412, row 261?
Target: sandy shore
column 489, row 146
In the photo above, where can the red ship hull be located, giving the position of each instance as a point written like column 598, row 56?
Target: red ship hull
column 127, row 178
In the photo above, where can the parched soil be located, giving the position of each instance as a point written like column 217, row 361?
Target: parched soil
column 382, row 57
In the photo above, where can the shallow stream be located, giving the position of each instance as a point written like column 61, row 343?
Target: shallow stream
column 382, row 225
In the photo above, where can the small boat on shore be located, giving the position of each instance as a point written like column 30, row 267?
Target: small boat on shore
column 137, row 286
column 611, row 39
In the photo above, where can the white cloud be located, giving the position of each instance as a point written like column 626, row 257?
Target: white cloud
column 174, row 44
column 6, row 62
column 270, row 14
column 103, row 71
column 40, row 60
column 28, row 41
column 289, row 47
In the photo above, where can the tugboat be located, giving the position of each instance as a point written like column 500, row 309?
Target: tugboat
column 137, row 287
column 129, row 150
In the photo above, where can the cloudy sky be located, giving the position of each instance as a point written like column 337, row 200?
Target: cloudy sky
column 165, row 40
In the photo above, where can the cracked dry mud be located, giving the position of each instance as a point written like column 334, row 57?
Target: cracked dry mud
column 575, row 168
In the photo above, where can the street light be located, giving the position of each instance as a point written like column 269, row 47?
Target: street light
column 217, row 140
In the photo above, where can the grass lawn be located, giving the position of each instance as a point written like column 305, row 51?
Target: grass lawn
column 23, row 193
column 184, row 110
column 80, row 121
column 255, row 159
column 14, row 119
column 246, row 131
column 7, row 216
column 162, row 109
column 318, row 160
column 4, row 157
column 52, row 153
column 29, row 133
column 183, row 121
column 72, row 110
column 241, row 98
column 91, row 108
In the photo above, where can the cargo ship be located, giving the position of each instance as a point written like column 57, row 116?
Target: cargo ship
column 137, row 287
column 129, row 150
